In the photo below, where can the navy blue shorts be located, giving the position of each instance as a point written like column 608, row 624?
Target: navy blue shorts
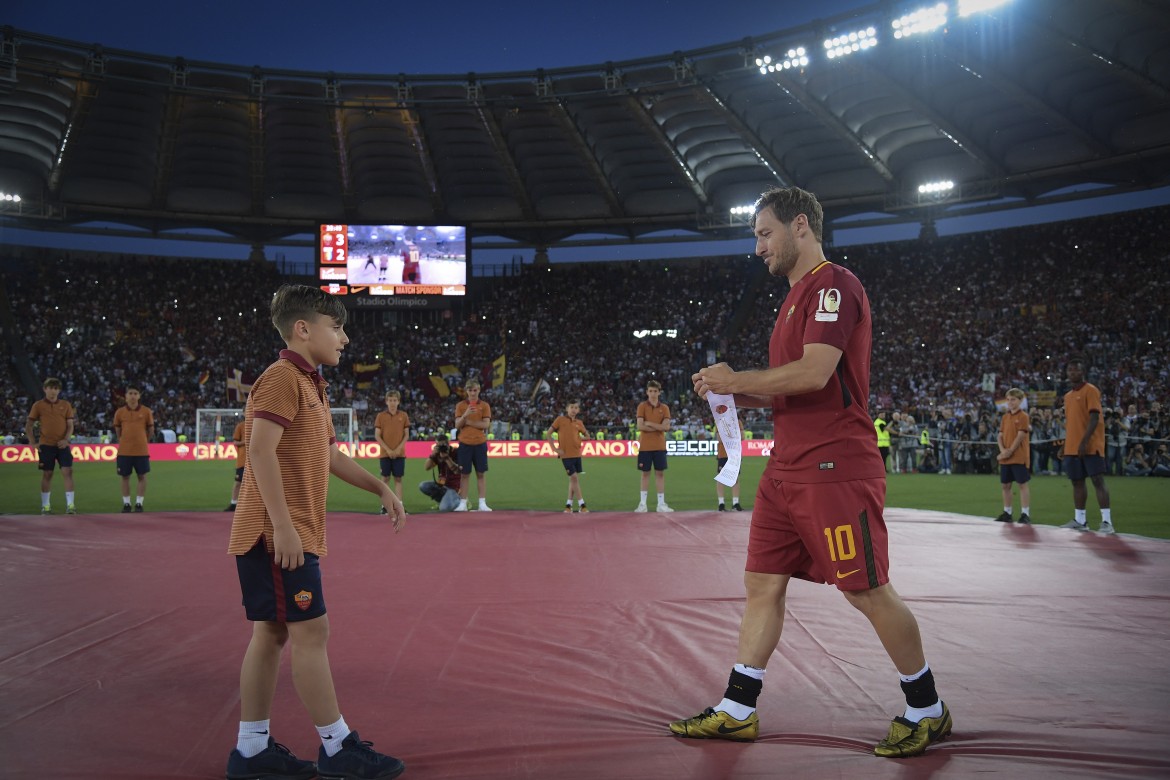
column 719, row 464
column 273, row 593
column 655, row 460
column 240, row 474
column 470, row 455
column 392, row 467
column 1078, row 469
column 572, row 466
column 1013, row 473
column 52, row 456
column 139, row 464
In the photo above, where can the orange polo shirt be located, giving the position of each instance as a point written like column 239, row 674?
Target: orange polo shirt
column 569, row 433
column 54, row 418
column 291, row 394
column 1079, row 403
column 1010, row 425
column 131, row 426
column 468, row 434
column 393, row 428
column 653, row 441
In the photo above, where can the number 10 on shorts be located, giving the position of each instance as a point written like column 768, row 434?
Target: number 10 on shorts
column 840, row 542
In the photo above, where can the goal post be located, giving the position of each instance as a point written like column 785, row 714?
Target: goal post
column 217, row 425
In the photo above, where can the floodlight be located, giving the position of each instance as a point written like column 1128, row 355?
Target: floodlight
column 920, row 21
column 936, row 187
column 848, row 43
column 969, row 7
column 737, row 211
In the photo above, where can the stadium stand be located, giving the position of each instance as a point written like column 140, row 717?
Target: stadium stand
column 957, row 321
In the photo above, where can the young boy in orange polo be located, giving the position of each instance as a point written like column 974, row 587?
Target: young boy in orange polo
column 1015, row 456
column 134, row 427
column 653, row 423
column 278, row 532
column 392, row 430
column 56, row 418
column 569, row 430
column 473, row 419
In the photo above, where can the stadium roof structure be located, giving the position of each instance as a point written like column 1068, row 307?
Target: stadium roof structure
column 1018, row 103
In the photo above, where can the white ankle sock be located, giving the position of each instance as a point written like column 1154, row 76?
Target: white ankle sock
column 332, row 736
column 253, row 737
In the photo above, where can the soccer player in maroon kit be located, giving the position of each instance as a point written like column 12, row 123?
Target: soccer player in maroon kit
column 818, row 511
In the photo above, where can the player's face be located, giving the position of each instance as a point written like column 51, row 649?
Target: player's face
column 652, row 394
column 326, row 340
column 572, row 410
column 1013, row 403
column 473, row 395
column 51, row 393
column 1076, row 373
column 132, row 398
column 392, row 404
column 775, row 243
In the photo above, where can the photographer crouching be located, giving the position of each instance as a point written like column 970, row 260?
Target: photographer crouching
column 444, row 488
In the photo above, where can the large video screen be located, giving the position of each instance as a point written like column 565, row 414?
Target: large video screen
column 369, row 260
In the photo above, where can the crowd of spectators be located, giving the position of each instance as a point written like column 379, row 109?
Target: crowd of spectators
column 957, row 321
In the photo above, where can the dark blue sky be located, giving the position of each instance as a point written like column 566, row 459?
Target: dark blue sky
column 424, row 36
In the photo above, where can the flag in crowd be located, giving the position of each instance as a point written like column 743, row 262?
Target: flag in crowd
column 239, row 385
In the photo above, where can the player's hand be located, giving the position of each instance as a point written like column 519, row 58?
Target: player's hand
column 63, row 443
column 287, row 549
column 1081, row 450
column 713, row 379
column 394, row 509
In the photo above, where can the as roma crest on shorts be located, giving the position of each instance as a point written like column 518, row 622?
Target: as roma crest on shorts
column 304, row 600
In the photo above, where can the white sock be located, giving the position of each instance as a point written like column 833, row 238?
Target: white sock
column 642, row 500
column 754, row 672
column 483, row 502
column 580, row 502
column 125, row 500
column 1079, row 516
column 1024, row 510
column 1007, row 510
column 138, row 500
column 661, row 499
column 68, row 497
column 1107, row 516
column 721, row 502
column 333, row 735
column 734, row 709
column 912, row 677
column 253, row 737
column 44, row 499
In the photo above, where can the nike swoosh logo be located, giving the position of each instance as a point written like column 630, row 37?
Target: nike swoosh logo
column 724, row 730
column 841, row 576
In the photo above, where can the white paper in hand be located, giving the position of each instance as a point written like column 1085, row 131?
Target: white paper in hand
column 727, row 426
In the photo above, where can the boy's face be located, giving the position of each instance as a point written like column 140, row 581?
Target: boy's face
column 473, row 394
column 392, row 404
column 51, row 393
column 326, row 340
column 1014, row 403
column 132, row 398
column 571, row 410
column 652, row 394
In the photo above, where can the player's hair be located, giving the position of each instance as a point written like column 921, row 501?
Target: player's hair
column 655, row 384
column 394, row 394
column 52, row 382
column 470, row 383
column 571, row 402
column 293, row 302
column 1016, row 392
column 787, row 203
column 133, row 388
column 1075, row 359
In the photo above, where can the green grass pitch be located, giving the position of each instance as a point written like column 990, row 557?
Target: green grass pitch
column 609, row 484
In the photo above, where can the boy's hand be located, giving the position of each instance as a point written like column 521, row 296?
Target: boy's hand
column 394, row 509
column 286, row 548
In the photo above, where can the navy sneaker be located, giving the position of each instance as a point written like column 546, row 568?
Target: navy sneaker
column 357, row 760
column 274, row 761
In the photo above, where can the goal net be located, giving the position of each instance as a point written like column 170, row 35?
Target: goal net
column 217, row 425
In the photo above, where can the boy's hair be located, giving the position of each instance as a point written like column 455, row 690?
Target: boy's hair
column 294, row 302
column 1016, row 392
column 393, row 394
column 470, row 383
column 51, row 382
column 654, row 383
column 133, row 389
column 787, row 203
column 572, row 402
